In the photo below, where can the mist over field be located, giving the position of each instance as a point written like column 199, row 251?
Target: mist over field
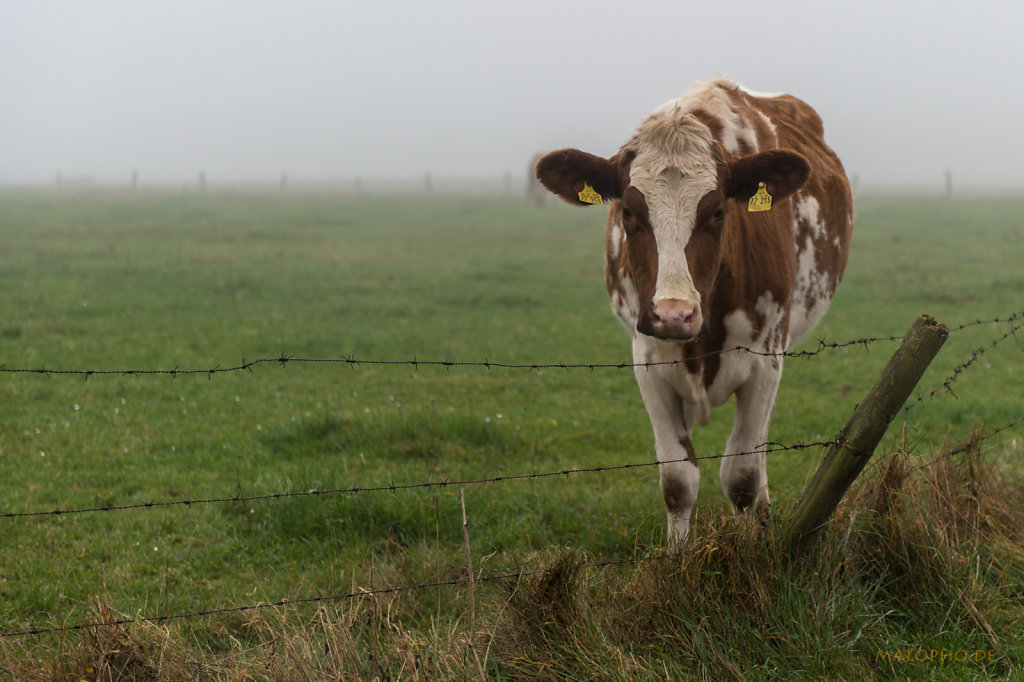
column 240, row 92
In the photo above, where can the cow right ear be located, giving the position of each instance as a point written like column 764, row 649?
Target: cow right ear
column 578, row 177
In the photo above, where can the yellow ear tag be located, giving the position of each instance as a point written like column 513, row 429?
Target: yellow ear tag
column 761, row 201
column 589, row 195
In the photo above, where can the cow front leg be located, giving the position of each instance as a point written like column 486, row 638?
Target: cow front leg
column 679, row 476
column 744, row 470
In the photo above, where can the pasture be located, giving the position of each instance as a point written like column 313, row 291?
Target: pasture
column 167, row 281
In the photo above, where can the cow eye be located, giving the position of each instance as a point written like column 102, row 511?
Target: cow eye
column 718, row 214
column 626, row 214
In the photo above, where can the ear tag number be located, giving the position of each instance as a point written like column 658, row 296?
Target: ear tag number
column 761, row 201
column 589, row 195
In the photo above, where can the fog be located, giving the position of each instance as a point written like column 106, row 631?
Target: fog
column 245, row 91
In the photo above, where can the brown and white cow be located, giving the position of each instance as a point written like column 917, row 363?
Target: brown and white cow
column 696, row 264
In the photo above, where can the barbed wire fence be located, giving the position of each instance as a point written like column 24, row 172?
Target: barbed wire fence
column 1014, row 322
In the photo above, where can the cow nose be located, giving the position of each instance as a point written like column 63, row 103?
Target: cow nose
column 674, row 312
column 676, row 319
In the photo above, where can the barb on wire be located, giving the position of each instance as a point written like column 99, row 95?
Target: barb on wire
column 510, row 575
column 769, row 447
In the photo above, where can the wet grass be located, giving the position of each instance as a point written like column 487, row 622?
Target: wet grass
column 118, row 282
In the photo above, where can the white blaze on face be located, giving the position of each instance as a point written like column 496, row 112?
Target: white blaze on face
column 673, row 211
column 674, row 168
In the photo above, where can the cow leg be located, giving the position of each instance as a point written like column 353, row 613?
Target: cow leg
column 678, row 471
column 745, row 476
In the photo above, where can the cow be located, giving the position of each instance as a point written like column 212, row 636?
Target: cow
column 729, row 225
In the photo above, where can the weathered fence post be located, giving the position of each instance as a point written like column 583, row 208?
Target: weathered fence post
column 858, row 439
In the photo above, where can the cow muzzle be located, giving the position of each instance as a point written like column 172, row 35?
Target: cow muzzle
column 672, row 319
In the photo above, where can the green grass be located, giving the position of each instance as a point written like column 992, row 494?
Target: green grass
column 112, row 282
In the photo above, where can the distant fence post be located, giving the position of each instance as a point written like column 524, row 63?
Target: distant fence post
column 860, row 436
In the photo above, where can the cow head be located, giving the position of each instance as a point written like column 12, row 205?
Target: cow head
column 670, row 187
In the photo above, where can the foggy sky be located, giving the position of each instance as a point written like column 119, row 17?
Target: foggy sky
column 247, row 90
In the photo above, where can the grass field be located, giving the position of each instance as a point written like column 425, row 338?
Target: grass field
column 117, row 282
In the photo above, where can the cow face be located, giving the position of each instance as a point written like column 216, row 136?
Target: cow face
column 673, row 196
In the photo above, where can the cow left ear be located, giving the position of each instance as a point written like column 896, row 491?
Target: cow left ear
column 782, row 171
column 578, row 177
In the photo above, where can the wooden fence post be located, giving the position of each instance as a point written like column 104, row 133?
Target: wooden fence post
column 858, row 439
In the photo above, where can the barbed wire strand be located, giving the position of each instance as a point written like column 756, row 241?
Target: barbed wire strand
column 284, row 359
column 351, row 361
column 767, row 448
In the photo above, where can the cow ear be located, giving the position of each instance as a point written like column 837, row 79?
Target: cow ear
column 782, row 171
column 568, row 173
